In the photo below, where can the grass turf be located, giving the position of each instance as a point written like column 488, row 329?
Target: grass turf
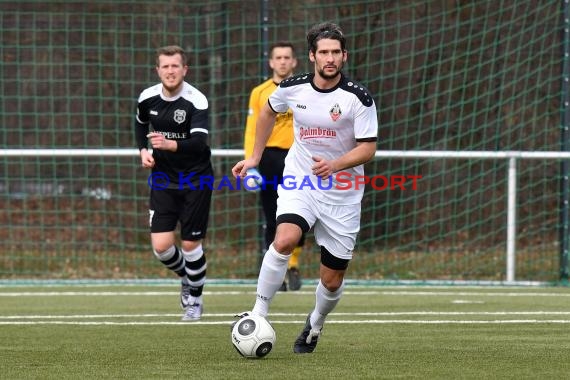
column 127, row 332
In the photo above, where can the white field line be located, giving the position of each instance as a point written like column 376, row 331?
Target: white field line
column 67, row 319
column 225, row 293
column 299, row 322
column 81, row 319
column 335, row 314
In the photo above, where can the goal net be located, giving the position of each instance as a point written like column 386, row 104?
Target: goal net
column 446, row 76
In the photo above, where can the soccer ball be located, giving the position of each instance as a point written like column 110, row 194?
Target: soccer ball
column 253, row 336
column 253, row 180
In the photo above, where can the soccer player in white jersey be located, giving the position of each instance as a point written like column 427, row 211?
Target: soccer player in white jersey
column 172, row 117
column 336, row 128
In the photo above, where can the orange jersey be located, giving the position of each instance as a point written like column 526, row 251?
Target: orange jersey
column 282, row 134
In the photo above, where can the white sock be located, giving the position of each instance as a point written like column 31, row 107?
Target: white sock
column 192, row 300
column 271, row 276
column 194, row 254
column 166, row 255
column 325, row 302
column 172, row 259
column 195, row 267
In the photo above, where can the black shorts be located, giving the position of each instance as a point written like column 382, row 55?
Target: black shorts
column 189, row 207
column 271, row 168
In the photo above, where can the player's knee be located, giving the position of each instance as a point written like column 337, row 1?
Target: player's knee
column 332, row 279
column 332, row 270
column 331, row 284
column 161, row 249
column 162, row 242
column 190, row 245
column 164, row 253
column 288, row 233
column 284, row 244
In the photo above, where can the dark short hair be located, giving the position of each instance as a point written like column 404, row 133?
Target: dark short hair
column 325, row 30
column 281, row 44
column 170, row 50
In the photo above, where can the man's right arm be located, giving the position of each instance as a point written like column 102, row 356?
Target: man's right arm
column 251, row 121
column 141, row 132
column 263, row 129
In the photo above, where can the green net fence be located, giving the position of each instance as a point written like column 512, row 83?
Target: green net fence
column 446, row 76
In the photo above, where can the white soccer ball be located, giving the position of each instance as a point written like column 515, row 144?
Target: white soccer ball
column 253, row 180
column 252, row 183
column 253, row 336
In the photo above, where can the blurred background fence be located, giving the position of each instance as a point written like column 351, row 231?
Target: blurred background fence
column 446, row 75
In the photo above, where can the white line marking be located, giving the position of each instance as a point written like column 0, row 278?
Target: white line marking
column 97, row 294
column 335, row 314
column 478, row 294
column 396, row 321
column 225, row 293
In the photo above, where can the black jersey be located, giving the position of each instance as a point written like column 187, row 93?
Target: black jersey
column 183, row 118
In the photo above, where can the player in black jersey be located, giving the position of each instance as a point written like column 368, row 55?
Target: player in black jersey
column 172, row 118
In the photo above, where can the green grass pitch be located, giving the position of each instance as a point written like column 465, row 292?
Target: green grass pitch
column 133, row 331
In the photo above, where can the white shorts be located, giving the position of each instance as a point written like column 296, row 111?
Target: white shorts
column 335, row 226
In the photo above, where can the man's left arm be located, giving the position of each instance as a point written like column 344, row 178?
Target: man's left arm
column 363, row 152
column 197, row 141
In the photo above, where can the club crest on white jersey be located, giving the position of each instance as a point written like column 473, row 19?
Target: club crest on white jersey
column 335, row 112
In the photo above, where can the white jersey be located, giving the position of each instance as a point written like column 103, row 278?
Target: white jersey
column 327, row 124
